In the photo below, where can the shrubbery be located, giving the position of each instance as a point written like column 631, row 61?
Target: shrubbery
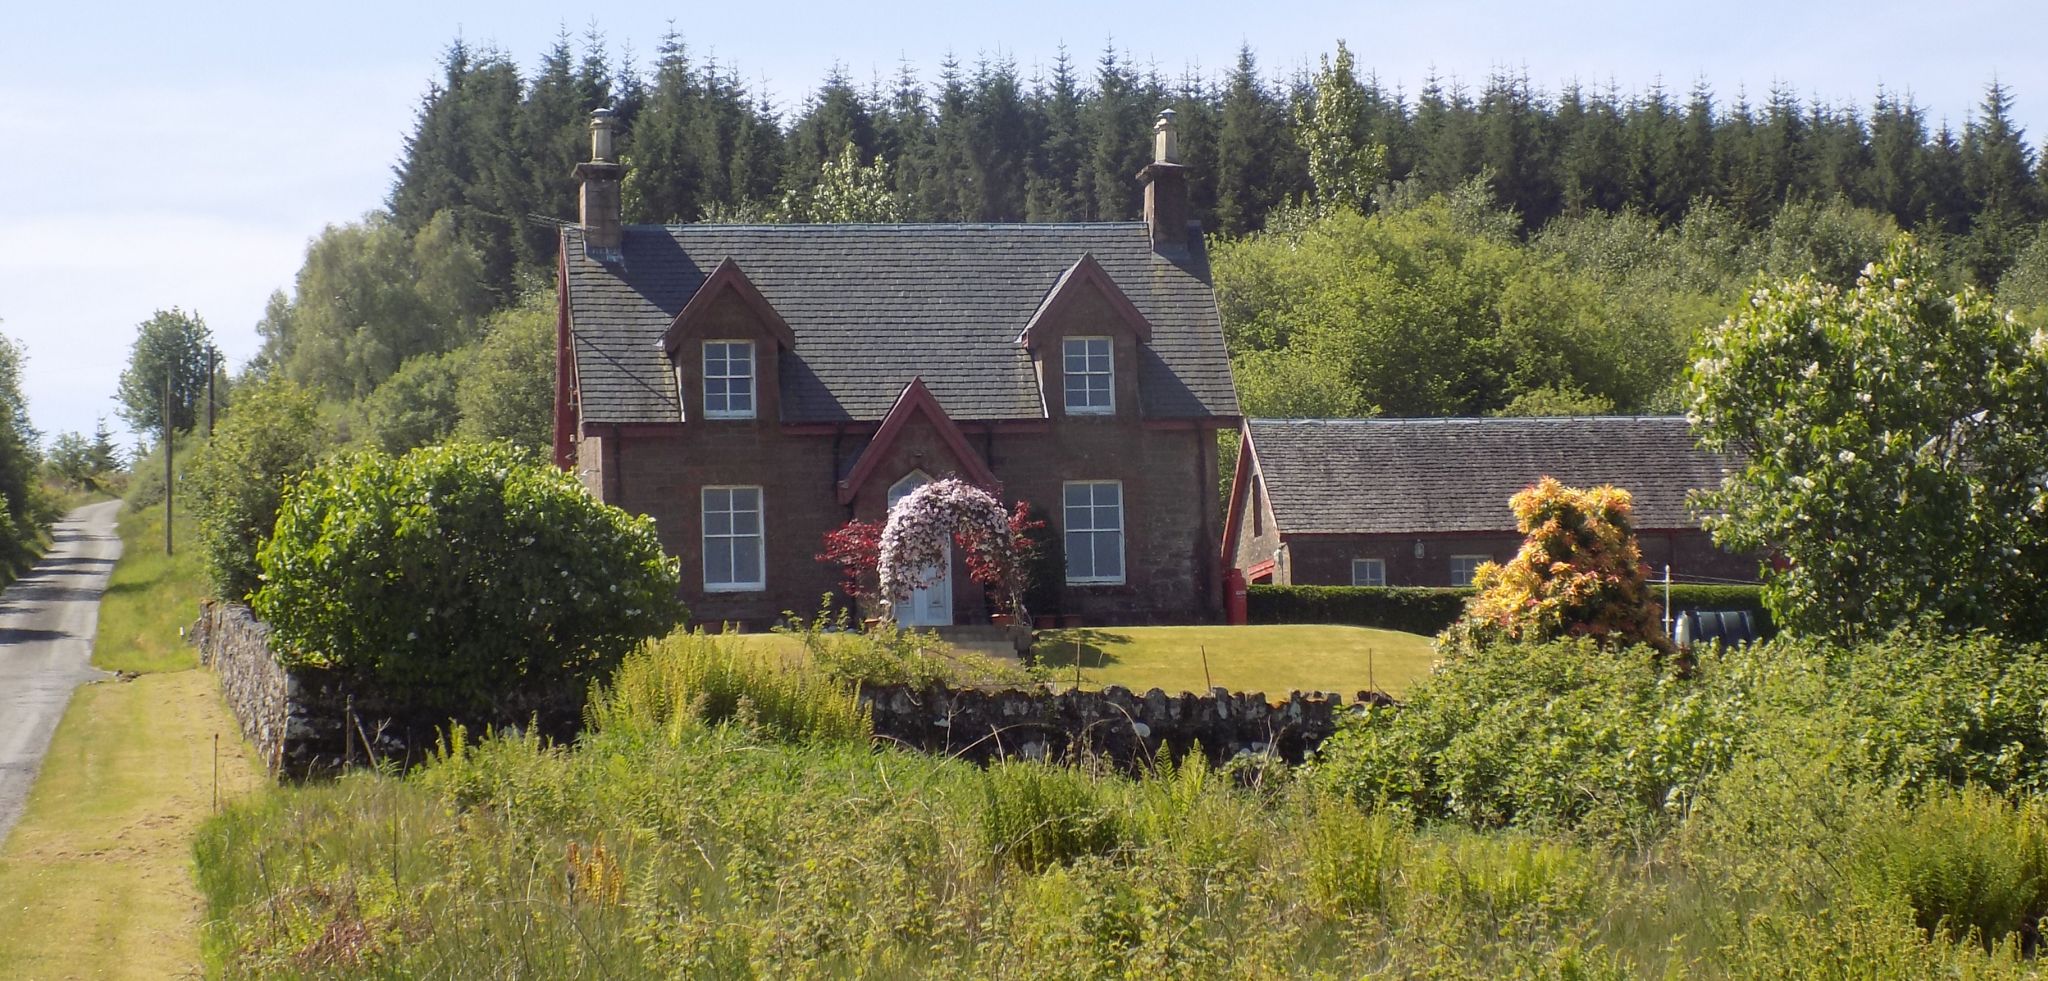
column 460, row 574
column 1417, row 610
column 272, row 436
column 1429, row 609
column 1579, row 573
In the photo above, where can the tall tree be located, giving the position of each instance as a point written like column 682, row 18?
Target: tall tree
column 1053, row 192
column 1343, row 162
column 1252, row 142
column 171, row 347
column 1118, row 123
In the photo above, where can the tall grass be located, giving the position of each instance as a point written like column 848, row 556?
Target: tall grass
column 726, row 817
column 695, row 679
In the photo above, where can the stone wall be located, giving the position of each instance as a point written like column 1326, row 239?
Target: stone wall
column 1116, row 723
column 308, row 721
column 236, row 646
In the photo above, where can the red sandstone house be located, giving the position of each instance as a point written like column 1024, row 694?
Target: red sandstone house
column 1421, row 502
column 754, row 387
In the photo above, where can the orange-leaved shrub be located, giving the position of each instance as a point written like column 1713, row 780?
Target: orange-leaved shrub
column 1579, row 574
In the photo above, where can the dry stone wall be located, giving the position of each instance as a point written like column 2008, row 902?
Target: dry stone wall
column 1115, row 722
column 307, row 721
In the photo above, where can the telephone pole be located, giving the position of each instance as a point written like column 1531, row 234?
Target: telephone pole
column 211, row 357
column 169, row 428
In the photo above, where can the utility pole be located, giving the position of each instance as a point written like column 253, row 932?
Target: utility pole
column 211, row 355
column 169, row 428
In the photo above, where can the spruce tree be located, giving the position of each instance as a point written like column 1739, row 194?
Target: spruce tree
column 1053, row 191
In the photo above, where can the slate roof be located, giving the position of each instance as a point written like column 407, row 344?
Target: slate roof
column 1412, row 476
column 873, row 306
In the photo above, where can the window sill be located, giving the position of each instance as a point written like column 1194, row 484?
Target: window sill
column 1096, row 582
column 1097, row 413
column 743, row 587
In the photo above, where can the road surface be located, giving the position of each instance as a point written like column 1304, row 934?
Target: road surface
column 47, row 620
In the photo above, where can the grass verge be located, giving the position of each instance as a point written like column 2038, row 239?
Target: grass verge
column 96, row 880
column 1273, row 659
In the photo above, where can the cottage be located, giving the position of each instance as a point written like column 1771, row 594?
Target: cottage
column 754, row 387
column 1422, row 502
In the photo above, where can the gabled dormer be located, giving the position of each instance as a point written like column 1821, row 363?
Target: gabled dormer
column 1084, row 340
column 726, row 344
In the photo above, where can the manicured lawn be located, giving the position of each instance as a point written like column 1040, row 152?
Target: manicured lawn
column 1273, row 659
column 96, row 879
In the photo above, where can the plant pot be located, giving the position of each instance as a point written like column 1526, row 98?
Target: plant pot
column 1002, row 619
column 1045, row 621
column 868, row 624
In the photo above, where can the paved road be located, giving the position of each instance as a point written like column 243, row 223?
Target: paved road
column 47, row 620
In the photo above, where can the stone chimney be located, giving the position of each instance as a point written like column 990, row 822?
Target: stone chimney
column 1166, row 189
column 599, row 201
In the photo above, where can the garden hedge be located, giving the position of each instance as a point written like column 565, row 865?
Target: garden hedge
column 1428, row 610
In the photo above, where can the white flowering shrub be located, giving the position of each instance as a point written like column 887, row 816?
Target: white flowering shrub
column 1895, row 438
column 459, row 574
column 921, row 525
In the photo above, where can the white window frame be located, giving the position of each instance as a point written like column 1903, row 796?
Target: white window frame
column 1475, row 560
column 1377, row 576
column 753, row 390
column 1107, row 374
column 1068, row 531
column 760, row 537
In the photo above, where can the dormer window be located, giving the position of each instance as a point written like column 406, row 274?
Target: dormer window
column 1090, row 378
column 728, row 379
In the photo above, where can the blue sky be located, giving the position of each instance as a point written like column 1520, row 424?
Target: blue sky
column 160, row 155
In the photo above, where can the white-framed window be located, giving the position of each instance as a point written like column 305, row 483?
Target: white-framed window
column 733, row 556
column 1463, row 567
column 1086, row 363
column 1368, row 572
column 1095, row 531
column 728, row 379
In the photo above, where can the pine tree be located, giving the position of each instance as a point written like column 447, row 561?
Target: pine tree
column 1250, row 137
column 1053, row 191
column 1999, row 181
column 1895, row 180
column 1512, row 150
column 1117, row 122
column 999, row 141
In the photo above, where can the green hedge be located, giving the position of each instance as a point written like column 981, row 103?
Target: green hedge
column 1428, row 610
column 1415, row 609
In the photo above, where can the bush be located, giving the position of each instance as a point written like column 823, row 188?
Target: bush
column 1428, row 610
column 1417, row 610
column 272, row 435
column 693, row 679
column 460, row 574
column 1544, row 735
column 1579, row 573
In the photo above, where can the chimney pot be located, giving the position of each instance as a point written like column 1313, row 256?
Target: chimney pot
column 601, row 125
column 1165, row 146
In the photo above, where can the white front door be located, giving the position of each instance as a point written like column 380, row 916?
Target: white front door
column 931, row 606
